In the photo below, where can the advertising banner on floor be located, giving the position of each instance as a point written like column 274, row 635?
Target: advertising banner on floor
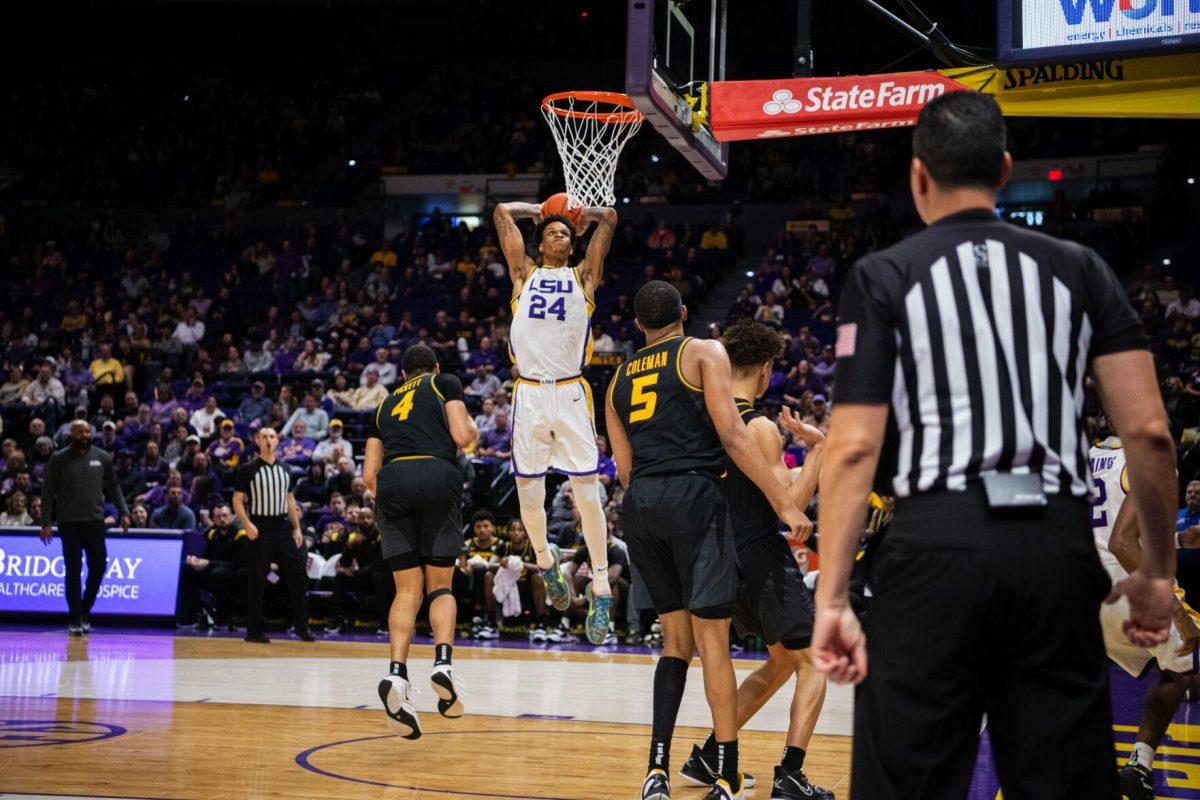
column 141, row 577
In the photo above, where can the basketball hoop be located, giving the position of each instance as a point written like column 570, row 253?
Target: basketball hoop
column 590, row 129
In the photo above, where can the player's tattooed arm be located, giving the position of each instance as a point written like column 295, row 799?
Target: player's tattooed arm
column 512, row 242
column 606, row 226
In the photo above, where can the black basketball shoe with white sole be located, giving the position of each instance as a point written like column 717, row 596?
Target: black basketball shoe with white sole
column 796, row 786
column 699, row 772
column 393, row 691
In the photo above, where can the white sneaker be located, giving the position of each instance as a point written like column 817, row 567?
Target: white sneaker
column 487, row 632
column 446, row 685
column 656, row 786
column 393, row 691
column 537, row 634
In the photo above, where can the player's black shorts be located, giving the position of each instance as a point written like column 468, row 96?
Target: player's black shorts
column 680, row 543
column 773, row 600
column 419, row 507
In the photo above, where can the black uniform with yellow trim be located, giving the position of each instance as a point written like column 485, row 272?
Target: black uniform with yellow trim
column 772, row 600
column 674, row 511
column 419, row 498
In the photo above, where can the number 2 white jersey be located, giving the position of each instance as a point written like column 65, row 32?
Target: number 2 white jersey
column 551, row 333
column 1110, row 484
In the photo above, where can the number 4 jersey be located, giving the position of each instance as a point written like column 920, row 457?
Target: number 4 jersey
column 669, row 429
column 411, row 421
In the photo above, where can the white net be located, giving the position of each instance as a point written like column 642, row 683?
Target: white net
column 590, row 129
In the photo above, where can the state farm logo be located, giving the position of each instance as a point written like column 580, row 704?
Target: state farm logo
column 782, row 101
column 867, row 95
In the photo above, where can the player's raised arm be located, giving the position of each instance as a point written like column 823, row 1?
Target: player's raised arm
column 593, row 260
column 512, row 242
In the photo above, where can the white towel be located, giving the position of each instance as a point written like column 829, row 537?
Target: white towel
column 505, row 587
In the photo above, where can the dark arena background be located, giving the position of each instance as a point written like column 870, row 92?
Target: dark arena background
column 222, row 217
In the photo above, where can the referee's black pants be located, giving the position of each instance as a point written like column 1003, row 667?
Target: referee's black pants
column 275, row 544
column 79, row 538
column 971, row 615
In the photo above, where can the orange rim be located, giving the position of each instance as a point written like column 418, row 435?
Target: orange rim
column 612, row 98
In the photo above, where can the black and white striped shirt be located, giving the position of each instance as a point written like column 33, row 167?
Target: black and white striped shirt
column 979, row 334
column 266, row 487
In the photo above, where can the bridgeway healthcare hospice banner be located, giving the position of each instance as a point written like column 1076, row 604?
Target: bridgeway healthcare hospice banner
column 141, row 578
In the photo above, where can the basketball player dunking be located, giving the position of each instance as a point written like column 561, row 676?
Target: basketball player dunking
column 553, row 418
column 672, row 421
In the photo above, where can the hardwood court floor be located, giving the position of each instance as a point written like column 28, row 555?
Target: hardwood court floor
column 118, row 715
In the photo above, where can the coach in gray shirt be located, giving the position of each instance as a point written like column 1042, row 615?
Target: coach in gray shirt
column 78, row 478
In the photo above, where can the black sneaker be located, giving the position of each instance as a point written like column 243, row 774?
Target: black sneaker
column 698, row 772
column 796, row 786
column 74, row 627
column 85, row 622
column 256, row 638
column 1135, row 782
column 656, row 786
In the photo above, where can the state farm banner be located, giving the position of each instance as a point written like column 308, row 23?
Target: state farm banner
column 141, row 577
column 807, row 106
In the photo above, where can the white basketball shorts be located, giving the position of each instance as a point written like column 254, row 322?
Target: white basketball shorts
column 554, row 428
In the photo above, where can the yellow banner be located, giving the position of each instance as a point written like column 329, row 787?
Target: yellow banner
column 1165, row 87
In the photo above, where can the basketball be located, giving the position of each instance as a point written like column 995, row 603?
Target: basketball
column 557, row 204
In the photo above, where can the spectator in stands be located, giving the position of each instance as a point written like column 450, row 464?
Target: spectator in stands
column 108, row 441
column 770, row 312
column 819, row 416
column 825, row 368
column 189, row 332
column 496, row 445
column 310, row 359
column 205, row 421
column 226, row 451
column 43, row 449
column 335, row 447
column 369, row 395
column 362, row 571
column 661, row 238
column 485, row 420
column 153, row 467
column 310, row 489
column 136, row 432
column 258, row 359
column 156, row 496
column 45, row 395
column 385, row 370
column 822, row 264
column 15, row 512
column 518, row 549
column 256, row 407
column 78, row 381
column 193, row 398
column 324, row 401
column 358, row 496
column 130, row 478
column 13, row 389
column 225, row 555
column 165, row 403
column 139, row 516
column 484, row 384
column 1188, row 519
column 332, row 526
column 601, row 341
column 800, row 380
column 296, row 450
column 316, row 421
column 1185, row 305
column 108, row 373
column 485, row 360
column 174, row 514
column 476, row 562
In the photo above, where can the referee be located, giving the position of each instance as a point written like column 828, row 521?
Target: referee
column 267, row 511
column 962, row 353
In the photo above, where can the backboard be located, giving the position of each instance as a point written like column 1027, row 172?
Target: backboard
column 674, row 49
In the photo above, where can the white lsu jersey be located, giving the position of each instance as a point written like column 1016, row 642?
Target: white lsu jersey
column 551, row 333
column 1110, row 484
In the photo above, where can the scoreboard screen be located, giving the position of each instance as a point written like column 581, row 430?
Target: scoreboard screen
column 1033, row 31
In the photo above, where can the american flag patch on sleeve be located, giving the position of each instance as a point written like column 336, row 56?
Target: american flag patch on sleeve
column 847, row 336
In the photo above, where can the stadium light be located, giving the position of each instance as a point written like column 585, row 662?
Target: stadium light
column 352, row 163
column 625, row 200
column 1191, row 181
column 749, row 273
column 1166, row 262
column 654, row 158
